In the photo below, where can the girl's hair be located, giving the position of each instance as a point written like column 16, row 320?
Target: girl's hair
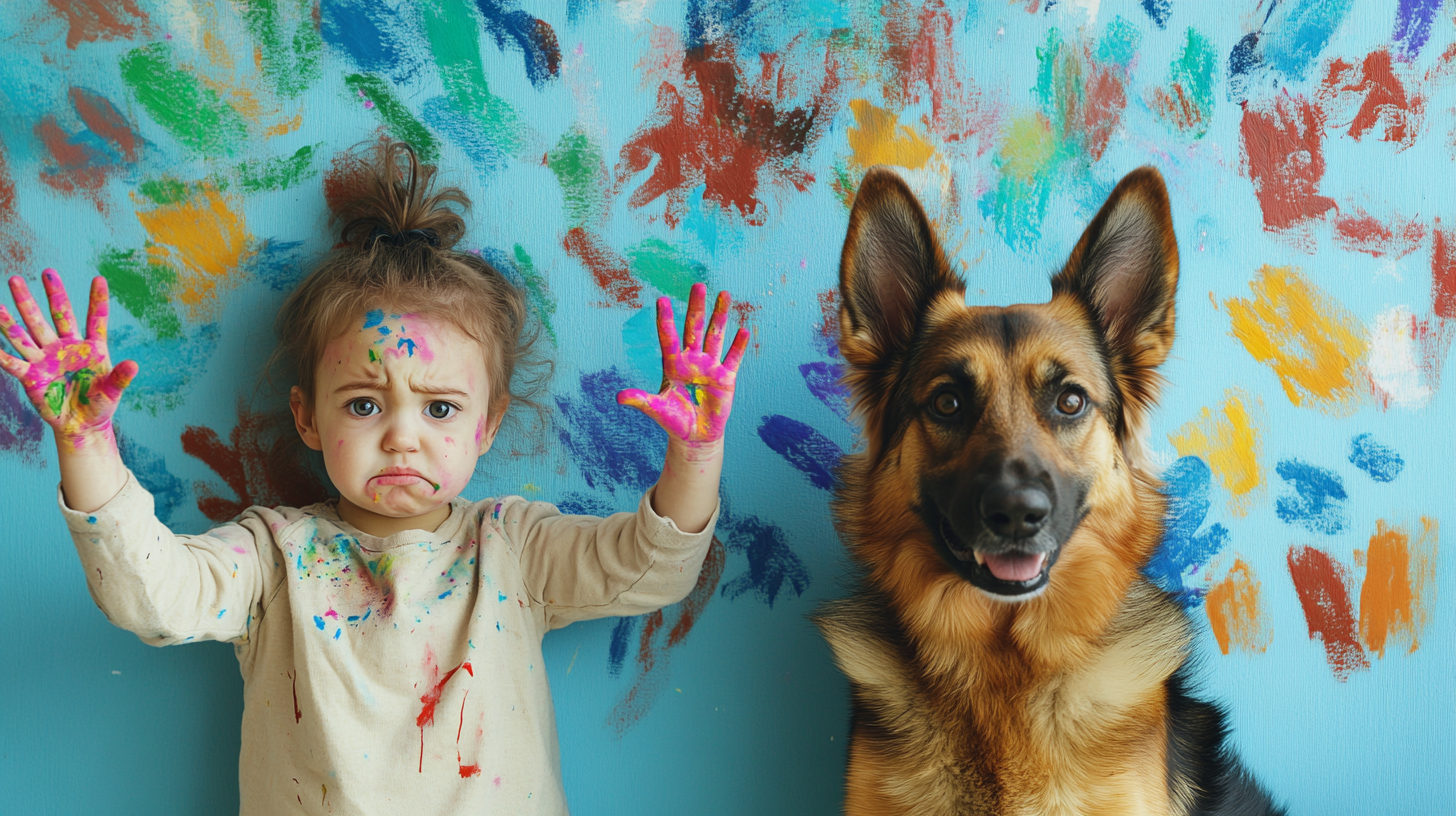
column 396, row 252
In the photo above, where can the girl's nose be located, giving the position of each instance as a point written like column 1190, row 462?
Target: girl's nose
column 401, row 436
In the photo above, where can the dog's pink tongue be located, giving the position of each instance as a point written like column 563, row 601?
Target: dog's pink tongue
column 1015, row 566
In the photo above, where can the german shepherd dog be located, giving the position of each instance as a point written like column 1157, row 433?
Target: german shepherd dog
column 1004, row 653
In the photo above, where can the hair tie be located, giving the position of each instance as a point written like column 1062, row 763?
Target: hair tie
column 402, row 239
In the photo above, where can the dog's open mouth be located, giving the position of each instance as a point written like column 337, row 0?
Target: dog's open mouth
column 1005, row 573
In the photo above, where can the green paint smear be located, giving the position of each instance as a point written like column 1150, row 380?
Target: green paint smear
column 538, row 295
column 194, row 115
column 164, row 190
column 668, row 268
column 401, row 123
column 288, row 41
column 1195, row 70
column 1119, row 42
column 582, row 172
column 278, row 173
column 82, row 380
column 454, row 34
column 55, row 396
column 142, row 288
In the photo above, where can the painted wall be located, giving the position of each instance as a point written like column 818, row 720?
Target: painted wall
column 615, row 150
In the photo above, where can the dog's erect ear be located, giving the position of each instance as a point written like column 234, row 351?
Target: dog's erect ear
column 889, row 272
column 1125, row 270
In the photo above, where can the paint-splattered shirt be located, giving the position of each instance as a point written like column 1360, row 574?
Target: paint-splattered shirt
column 387, row 675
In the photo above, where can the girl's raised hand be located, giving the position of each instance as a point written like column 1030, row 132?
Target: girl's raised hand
column 68, row 378
column 693, row 370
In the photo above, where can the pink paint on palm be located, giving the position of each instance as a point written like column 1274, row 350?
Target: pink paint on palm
column 69, row 379
column 697, row 389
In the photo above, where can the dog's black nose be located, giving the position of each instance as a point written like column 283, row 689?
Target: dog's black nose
column 1017, row 512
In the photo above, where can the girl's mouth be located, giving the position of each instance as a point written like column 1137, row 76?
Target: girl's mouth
column 401, row 476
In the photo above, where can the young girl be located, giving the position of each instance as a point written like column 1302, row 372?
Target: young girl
column 389, row 640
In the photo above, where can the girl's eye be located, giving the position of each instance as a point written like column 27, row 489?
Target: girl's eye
column 1071, row 402
column 363, row 407
column 440, row 410
column 945, row 404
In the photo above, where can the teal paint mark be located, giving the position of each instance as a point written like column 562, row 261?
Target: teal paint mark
column 397, row 118
column 1187, row 103
column 667, row 268
column 453, row 31
column 194, row 114
column 319, row 622
column 1119, row 43
column 1292, row 46
column 538, row 294
column 467, row 134
column 640, row 344
column 169, row 365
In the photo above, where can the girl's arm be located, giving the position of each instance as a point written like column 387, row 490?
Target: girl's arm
column 71, row 382
column 693, row 407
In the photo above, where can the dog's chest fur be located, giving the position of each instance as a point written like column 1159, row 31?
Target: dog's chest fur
column 1075, row 740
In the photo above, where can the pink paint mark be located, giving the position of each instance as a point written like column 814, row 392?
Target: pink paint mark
column 331, row 614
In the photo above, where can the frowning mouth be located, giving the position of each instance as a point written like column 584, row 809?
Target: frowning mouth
column 400, row 476
column 1013, row 573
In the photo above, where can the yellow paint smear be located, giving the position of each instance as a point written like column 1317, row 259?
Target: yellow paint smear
column 1315, row 346
column 879, row 138
column 1028, row 149
column 1398, row 576
column 201, row 237
column 1229, row 441
column 1235, row 612
column 284, row 127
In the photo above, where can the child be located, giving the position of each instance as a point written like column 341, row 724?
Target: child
column 389, row 640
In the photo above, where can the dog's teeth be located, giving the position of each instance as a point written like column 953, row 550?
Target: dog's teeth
column 980, row 559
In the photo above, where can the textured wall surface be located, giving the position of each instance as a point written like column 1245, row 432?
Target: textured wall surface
column 617, row 150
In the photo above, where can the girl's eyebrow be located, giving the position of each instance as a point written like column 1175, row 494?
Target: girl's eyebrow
column 380, row 385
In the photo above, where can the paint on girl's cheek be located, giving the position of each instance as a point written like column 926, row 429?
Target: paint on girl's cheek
column 479, row 430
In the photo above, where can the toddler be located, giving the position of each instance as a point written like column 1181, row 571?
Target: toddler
column 389, row 640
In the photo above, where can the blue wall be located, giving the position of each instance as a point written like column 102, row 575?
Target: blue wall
column 616, row 149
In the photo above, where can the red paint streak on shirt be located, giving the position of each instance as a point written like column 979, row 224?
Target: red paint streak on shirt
column 428, row 702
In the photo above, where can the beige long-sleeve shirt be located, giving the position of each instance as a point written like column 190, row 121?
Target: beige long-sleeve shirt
column 387, row 675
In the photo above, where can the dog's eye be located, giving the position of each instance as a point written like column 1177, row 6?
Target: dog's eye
column 1071, row 402
column 946, row 403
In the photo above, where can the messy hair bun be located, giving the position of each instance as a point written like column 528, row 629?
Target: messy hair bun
column 397, row 253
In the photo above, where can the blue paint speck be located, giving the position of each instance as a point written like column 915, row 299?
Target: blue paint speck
column 1318, row 501
column 319, row 622
column 90, row 519
column 221, row 613
column 804, row 448
column 443, row 595
column 1382, row 463
column 373, row 318
column 338, row 632
column 617, row 647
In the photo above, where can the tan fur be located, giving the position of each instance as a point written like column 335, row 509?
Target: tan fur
column 1054, row 705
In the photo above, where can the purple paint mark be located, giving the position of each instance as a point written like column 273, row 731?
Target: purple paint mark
column 1184, row 550
column 1382, row 463
column 533, row 36
column 1158, row 11
column 150, row 469
column 772, row 566
column 807, row 450
column 613, row 447
column 1318, row 501
column 21, row 428
column 824, row 383
column 372, row 34
column 1413, row 20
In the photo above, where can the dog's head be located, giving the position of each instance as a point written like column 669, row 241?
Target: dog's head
column 1008, row 430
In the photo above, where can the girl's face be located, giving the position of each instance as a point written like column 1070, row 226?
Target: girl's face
column 399, row 411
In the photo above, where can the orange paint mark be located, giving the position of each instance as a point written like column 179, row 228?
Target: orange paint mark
column 1235, row 613
column 1392, row 607
column 285, row 127
column 204, row 239
column 879, row 138
column 1230, row 442
column 1315, row 346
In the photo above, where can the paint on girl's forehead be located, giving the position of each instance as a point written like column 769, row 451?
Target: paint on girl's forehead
column 400, row 335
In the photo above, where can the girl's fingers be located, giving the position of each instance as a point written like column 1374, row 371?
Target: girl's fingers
column 13, row 366
column 116, row 380
column 98, row 310
column 40, row 331
column 667, row 328
column 60, row 302
column 735, row 351
column 18, row 336
column 693, row 328
column 713, row 344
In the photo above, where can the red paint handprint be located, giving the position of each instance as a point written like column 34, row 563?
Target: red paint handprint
column 697, row 389
column 69, row 379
